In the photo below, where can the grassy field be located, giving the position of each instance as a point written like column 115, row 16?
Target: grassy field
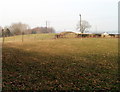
column 60, row 64
column 29, row 37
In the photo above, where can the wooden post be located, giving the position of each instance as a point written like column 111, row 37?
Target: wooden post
column 3, row 36
column 22, row 36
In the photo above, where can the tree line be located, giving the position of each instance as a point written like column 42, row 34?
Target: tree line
column 20, row 29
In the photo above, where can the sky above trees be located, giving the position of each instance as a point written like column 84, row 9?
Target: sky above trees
column 61, row 14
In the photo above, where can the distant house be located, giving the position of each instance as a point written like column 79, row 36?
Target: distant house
column 68, row 34
column 38, row 30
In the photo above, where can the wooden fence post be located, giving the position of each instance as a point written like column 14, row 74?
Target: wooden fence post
column 3, row 36
column 22, row 36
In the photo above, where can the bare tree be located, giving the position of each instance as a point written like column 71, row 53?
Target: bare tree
column 18, row 28
column 84, row 25
column 0, row 28
column 38, row 30
column 7, row 32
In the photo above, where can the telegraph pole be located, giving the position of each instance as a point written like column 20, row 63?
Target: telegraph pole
column 46, row 25
column 80, row 22
column 80, row 26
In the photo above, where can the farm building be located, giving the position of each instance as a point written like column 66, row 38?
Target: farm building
column 84, row 35
column 105, row 34
column 69, row 34
column 66, row 35
column 117, row 35
column 114, row 35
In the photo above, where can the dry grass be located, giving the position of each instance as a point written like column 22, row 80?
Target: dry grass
column 61, row 64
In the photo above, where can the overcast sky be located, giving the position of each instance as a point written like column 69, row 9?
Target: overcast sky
column 61, row 14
